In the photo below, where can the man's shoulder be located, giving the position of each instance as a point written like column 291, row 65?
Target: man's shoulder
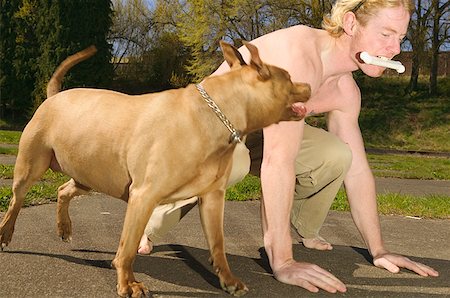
column 292, row 34
column 347, row 85
column 290, row 47
column 342, row 93
column 348, row 94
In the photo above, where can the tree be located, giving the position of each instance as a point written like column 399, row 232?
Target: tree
column 36, row 36
column 200, row 24
column 66, row 27
column 168, row 58
column 132, row 29
column 7, row 44
column 149, row 56
column 417, row 36
column 440, row 32
column 19, row 52
column 293, row 12
column 427, row 34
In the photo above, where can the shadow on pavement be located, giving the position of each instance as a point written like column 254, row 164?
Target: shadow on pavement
column 188, row 267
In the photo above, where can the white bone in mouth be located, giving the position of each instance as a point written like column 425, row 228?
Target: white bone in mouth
column 384, row 62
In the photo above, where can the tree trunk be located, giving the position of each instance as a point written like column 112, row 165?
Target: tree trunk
column 434, row 48
column 417, row 42
column 415, row 70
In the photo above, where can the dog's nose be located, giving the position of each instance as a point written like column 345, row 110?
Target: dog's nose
column 304, row 91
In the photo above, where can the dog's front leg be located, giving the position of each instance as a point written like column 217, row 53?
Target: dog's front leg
column 138, row 213
column 212, row 212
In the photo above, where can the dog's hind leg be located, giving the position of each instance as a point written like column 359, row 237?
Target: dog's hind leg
column 67, row 192
column 30, row 166
column 211, row 207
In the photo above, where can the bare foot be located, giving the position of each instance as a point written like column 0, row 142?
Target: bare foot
column 317, row 243
column 145, row 246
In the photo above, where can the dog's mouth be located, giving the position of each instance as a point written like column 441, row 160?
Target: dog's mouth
column 299, row 110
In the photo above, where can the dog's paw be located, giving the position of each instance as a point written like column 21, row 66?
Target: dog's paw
column 134, row 290
column 228, row 282
column 237, row 288
column 6, row 233
column 65, row 231
column 66, row 239
column 232, row 285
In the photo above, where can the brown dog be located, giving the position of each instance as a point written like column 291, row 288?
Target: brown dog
column 150, row 149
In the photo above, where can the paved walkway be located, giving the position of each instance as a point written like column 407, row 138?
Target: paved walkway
column 38, row 264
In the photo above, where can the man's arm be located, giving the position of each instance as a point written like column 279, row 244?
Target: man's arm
column 360, row 183
column 281, row 145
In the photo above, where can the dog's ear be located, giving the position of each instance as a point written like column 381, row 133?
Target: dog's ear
column 231, row 55
column 256, row 62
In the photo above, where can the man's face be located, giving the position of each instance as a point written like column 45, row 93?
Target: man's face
column 381, row 37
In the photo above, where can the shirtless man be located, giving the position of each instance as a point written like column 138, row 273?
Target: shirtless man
column 303, row 167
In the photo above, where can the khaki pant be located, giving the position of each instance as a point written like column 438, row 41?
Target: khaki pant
column 321, row 165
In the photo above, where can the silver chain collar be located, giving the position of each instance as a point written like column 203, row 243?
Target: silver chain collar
column 235, row 136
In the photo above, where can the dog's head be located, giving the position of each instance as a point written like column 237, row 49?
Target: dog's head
column 274, row 94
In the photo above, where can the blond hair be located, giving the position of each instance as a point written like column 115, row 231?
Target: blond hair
column 363, row 9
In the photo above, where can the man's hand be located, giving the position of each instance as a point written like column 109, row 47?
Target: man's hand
column 393, row 263
column 308, row 276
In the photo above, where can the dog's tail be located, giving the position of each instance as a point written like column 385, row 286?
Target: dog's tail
column 54, row 85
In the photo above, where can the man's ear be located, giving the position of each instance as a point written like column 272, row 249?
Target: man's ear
column 349, row 23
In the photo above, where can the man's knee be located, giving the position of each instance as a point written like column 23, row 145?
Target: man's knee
column 326, row 156
column 338, row 157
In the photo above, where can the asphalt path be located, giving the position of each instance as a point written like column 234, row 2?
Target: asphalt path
column 38, row 264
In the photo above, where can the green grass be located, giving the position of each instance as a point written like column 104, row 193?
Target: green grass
column 8, row 141
column 10, row 137
column 430, row 206
column 6, row 172
column 247, row 189
column 42, row 192
column 410, row 166
column 391, row 119
column 38, row 194
column 8, row 150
